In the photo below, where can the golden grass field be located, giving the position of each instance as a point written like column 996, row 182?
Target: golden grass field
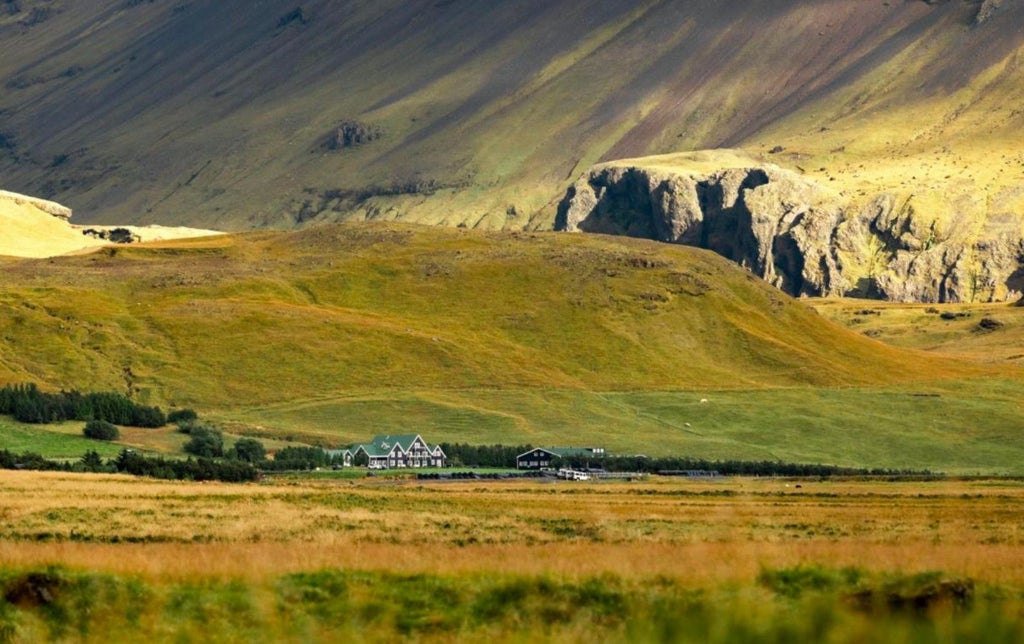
column 699, row 532
column 661, row 553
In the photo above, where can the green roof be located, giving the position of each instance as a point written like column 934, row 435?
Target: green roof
column 383, row 444
column 387, row 442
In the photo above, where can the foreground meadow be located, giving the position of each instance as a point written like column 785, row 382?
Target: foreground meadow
column 103, row 557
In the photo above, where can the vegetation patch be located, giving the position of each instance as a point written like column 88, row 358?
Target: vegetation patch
column 131, row 462
column 101, row 430
column 58, row 603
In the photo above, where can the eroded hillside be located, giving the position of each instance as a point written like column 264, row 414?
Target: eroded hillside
column 231, row 114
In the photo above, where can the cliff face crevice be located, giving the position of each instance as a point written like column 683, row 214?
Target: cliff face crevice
column 800, row 237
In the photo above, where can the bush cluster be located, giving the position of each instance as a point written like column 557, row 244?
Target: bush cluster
column 249, row 450
column 179, row 416
column 101, row 430
column 201, row 469
column 725, row 468
column 208, row 442
column 204, row 441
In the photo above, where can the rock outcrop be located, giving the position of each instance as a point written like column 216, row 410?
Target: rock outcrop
column 33, row 227
column 800, row 237
column 50, row 207
column 350, row 134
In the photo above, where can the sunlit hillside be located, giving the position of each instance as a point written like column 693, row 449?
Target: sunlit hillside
column 270, row 317
column 336, row 333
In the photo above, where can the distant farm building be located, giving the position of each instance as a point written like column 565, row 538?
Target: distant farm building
column 392, row 452
column 541, row 457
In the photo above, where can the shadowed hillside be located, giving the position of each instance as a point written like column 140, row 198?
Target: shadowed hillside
column 234, row 114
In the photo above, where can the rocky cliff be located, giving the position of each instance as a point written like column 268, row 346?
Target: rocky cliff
column 801, row 237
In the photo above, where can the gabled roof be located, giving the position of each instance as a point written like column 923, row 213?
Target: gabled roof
column 383, row 444
column 370, row 449
column 405, row 441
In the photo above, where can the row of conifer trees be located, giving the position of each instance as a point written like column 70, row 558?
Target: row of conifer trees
column 131, row 462
column 30, row 405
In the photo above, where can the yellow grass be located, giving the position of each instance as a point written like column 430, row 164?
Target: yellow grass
column 700, row 533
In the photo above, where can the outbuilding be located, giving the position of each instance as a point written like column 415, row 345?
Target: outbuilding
column 540, row 458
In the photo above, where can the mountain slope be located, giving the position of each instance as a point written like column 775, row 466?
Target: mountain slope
column 224, row 113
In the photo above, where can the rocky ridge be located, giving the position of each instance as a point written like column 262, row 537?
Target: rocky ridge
column 801, row 237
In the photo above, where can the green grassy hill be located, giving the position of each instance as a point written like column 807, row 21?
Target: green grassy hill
column 216, row 112
column 336, row 333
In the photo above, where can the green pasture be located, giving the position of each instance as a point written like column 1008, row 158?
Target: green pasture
column 51, row 441
column 975, row 426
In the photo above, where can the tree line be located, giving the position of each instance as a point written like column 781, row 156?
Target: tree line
column 299, row 458
column 731, row 467
column 464, row 454
column 131, row 462
column 30, row 405
column 504, row 456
